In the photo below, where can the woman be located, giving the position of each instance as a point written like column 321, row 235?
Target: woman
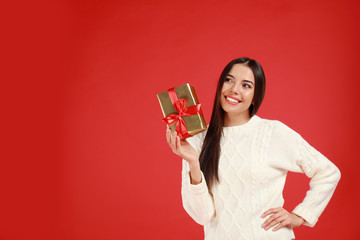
column 234, row 173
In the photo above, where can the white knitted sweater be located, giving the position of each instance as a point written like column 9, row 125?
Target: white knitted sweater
column 254, row 160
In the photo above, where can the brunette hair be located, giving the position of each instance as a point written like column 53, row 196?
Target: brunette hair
column 210, row 152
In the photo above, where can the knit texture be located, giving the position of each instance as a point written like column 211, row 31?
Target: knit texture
column 254, row 160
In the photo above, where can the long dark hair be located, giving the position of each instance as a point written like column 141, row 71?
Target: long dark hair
column 210, row 152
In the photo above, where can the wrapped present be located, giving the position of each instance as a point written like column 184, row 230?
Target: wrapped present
column 182, row 111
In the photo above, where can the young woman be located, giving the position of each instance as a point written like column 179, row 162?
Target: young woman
column 234, row 173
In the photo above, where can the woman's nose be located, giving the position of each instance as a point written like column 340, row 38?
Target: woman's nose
column 235, row 89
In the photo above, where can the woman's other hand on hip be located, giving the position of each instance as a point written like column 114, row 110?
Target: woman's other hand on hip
column 281, row 218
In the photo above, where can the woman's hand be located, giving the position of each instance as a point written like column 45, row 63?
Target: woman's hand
column 182, row 148
column 282, row 217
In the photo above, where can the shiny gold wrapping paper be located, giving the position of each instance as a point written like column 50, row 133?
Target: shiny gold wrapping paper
column 195, row 123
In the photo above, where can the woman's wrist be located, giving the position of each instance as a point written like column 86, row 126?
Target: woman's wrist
column 300, row 220
column 195, row 173
column 194, row 165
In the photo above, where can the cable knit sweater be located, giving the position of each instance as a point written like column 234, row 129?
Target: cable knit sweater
column 254, row 160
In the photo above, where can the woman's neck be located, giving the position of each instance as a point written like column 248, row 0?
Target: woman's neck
column 236, row 120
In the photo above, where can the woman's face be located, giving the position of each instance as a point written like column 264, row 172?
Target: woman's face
column 237, row 92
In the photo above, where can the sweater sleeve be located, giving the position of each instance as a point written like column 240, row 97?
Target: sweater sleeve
column 324, row 179
column 197, row 200
column 323, row 173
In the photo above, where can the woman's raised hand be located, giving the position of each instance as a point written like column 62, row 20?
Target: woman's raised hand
column 182, row 148
column 281, row 218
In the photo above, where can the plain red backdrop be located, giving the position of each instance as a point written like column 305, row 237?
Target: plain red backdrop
column 84, row 150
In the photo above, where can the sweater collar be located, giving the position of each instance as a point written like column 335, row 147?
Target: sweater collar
column 235, row 129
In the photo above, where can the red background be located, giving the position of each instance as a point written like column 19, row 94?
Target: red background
column 84, row 150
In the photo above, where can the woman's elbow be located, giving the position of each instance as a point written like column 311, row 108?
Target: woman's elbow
column 200, row 216
column 204, row 219
column 337, row 174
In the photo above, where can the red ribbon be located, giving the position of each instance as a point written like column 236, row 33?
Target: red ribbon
column 179, row 105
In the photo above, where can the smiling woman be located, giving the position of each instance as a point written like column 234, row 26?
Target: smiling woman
column 225, row 113
column 237, row 94
column 234, row 173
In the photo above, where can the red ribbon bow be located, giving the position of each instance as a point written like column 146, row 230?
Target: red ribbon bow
column 179, row 105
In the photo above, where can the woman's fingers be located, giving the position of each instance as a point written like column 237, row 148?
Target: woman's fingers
column 181, row 147
column 272, row 220
column 178, row 143
column 282, row 224
column 274, row 212
column 271, row 211
column 171, row 138
column 173, row 142
column 168, row 135
column 281, row 219
column 279, row 216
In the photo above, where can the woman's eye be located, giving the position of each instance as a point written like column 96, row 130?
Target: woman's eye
column 228, row 80
column 246, row 86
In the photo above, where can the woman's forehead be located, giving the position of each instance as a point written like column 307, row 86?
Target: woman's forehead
column 241, row 71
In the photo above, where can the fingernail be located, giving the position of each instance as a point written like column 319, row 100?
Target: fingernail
column 167, row 130
column 262, row 215
column 175, row 133
column 263, row 225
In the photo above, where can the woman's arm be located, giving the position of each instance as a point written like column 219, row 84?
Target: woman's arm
column 197, row 200
column 296, row 155
column 324, row 179
column 184, row 150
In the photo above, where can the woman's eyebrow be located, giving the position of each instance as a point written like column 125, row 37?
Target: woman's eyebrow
column 231, row 76
column 248, row 82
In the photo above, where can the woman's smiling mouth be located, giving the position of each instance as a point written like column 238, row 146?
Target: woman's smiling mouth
column 232, row 100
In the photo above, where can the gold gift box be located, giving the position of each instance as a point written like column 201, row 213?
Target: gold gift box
column 194, row 123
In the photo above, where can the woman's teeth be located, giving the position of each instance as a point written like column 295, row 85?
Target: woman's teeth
column 232, row 100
